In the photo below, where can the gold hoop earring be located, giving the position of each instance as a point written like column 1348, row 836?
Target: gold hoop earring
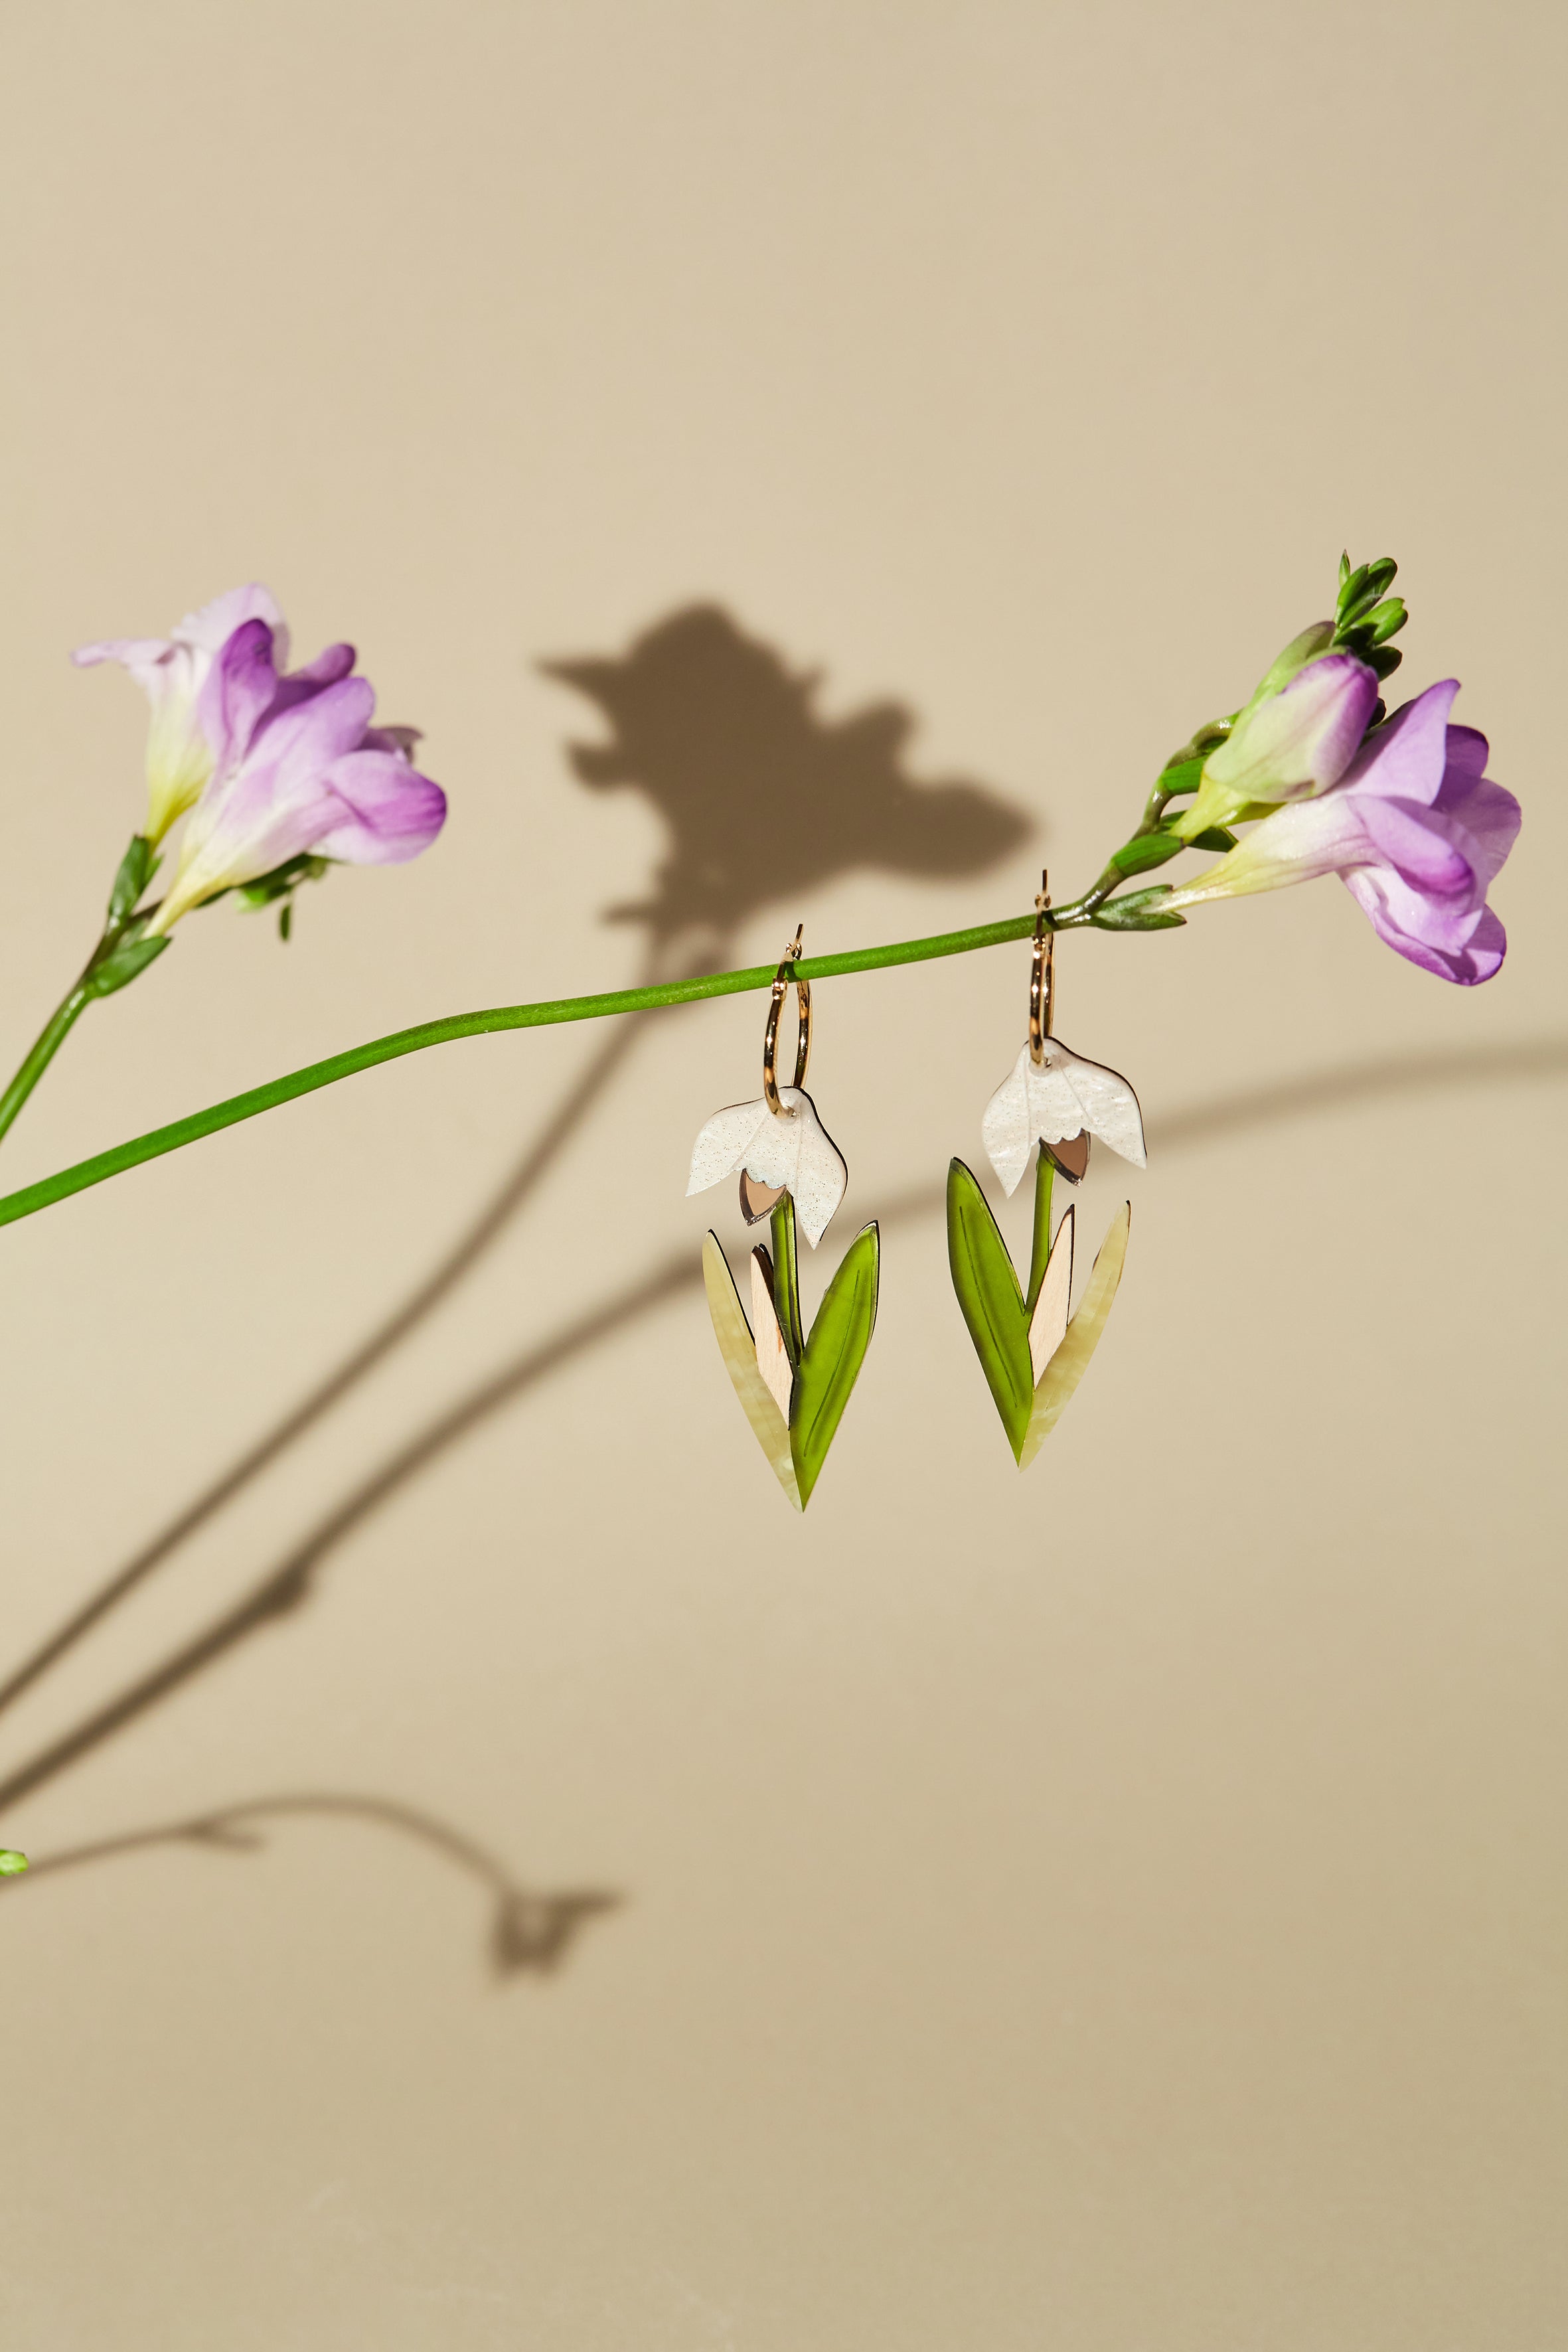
column 792, row 1386
column 1032, row 1349
column 801, row 1028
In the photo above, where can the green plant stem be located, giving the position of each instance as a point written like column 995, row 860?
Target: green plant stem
column 1075, row 915
column 181, row 1131
column 52, row 1036
column 1039, row 1253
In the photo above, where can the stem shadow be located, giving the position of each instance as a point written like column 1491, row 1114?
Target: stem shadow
column 530, row 1933
column 286, row 1587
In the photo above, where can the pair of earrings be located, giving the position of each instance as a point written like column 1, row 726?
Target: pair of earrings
column 1034, row 1350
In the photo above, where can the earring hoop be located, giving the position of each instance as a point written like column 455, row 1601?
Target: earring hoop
column 803, row 1027
column 1042, row 976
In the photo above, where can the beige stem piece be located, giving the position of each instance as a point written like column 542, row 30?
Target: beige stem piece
column 1048, row 1323
column 773, row 1356
column 734, row 1334
column 1070, row 1362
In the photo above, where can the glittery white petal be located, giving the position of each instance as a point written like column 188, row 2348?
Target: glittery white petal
column 793, row 1149
column 1065, row 1096
column 722, row 1147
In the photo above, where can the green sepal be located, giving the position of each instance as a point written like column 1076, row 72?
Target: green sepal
column 268, row 889
column 785, row 1263
column 830, row 1363
column 1182, row 774
column 1137, row 910
column 1386, row 620
column 1366, row 586
column 1351, row 587
column 128, row 961
column 137, row 869
column 1385, row 659
column 12, row 1865
column 1145, row 850
column 993, row 1305
column 1213, row 837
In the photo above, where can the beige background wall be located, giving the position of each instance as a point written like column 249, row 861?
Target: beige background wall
column 1119, row 1910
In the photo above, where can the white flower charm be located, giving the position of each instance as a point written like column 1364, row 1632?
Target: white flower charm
column 1063, row 1097
column 793, row 1150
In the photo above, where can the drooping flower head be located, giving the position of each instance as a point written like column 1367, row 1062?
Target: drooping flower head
column 1414, row 829
column 273, row 765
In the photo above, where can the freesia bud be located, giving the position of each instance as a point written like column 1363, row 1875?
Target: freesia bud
column 1414, row 829
column 1289, row 742
column 1307, row 647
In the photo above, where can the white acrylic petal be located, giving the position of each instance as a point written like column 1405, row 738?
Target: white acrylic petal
column 722, row 1147
column 793, row 1150
column 1066, row 1096
column 1005, row 1130
column 818, row 1176
column 1098, row 1101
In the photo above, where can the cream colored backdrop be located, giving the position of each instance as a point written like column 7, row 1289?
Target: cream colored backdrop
column 1119, row 1910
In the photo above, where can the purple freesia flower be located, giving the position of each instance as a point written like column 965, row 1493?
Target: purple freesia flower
column 278, row 763
column 177, row 675
column 1414, row 828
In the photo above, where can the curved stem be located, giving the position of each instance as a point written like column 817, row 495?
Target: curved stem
column 55, row 1030
column 181, row 1131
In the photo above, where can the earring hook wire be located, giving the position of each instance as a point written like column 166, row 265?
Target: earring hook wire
column 1042, row 975
column 781, row 989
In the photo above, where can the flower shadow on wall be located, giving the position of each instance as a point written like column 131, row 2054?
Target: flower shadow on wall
column 763, row 801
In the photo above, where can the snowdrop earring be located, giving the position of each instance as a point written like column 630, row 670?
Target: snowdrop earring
column 1032, row 1351
column 793, row 1388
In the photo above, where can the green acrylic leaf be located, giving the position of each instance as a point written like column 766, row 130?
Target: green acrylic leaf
column 126, row 964
column 1145, row 850
column 834, row 1355
column 993, row 1305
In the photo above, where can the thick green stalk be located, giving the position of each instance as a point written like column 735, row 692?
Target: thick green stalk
column 55, row 1030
